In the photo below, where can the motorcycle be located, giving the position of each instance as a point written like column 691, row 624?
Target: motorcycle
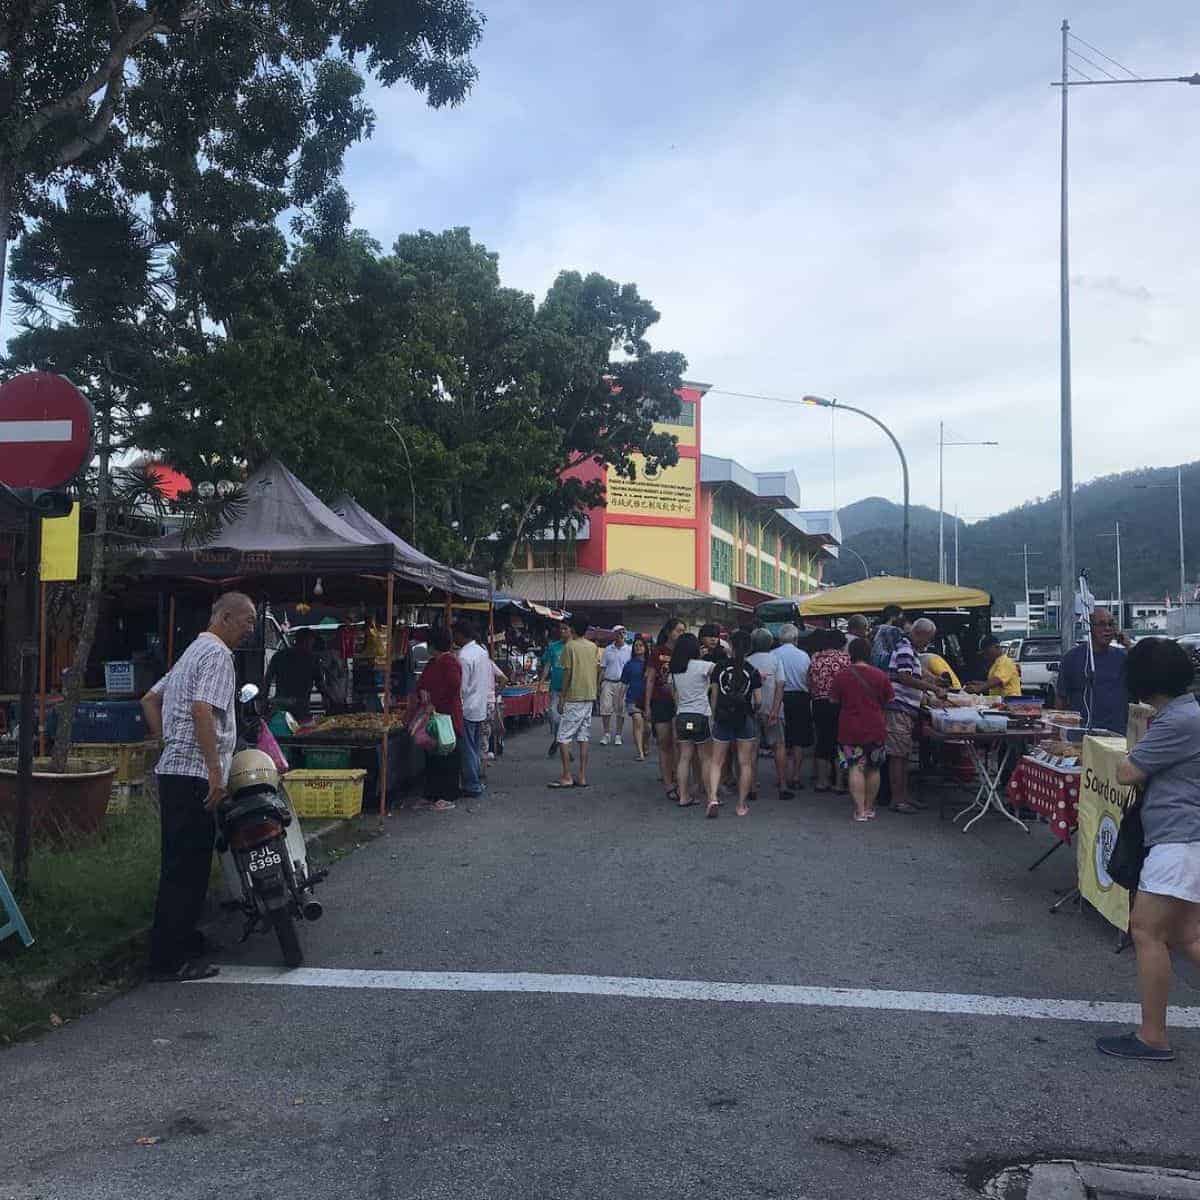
column 261, row 847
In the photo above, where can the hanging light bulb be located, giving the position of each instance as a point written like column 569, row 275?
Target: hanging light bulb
column 224, row 487
column 206, row 489
column 318, row 587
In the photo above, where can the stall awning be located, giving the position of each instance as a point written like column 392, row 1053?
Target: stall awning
column 873, row 595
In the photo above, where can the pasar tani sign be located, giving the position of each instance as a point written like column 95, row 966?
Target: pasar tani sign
column 45, row 431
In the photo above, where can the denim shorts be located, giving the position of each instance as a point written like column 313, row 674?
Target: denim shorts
column 745, row 730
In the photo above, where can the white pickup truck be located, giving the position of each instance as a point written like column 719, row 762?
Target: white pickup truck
column 1038, row 659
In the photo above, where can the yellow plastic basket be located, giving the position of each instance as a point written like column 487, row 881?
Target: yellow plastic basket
column 326, row 793
column 128, row 757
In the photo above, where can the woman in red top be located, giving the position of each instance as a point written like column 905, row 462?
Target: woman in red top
column 829, row 660
column 441, row 686
column 660, row 702
column 862, row 691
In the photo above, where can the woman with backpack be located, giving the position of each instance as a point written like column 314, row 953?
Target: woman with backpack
column 660, row 702
column 690, row 676
column 736, row 694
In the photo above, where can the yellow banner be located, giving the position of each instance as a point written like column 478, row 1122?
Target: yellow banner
column 1103, row 802
column 60, row 547
column 670, row 492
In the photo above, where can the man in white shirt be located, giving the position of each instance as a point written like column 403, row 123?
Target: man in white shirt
column 770, row 727
column 793, row 664
column 478, row 683
column 612, row 690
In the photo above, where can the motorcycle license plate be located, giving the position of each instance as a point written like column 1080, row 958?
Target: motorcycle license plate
column 262, row 859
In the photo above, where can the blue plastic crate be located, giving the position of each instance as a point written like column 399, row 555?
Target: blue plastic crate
column 103, row 721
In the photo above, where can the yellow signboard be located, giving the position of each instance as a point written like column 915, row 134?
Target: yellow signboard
column 1103, row 803
column 664, row 553
column 669, row 492
column 60, row 547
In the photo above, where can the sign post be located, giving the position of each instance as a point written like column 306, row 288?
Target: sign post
column 45, row 441
column 1103, row 802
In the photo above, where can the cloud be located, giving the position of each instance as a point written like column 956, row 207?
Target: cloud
column 862, row 205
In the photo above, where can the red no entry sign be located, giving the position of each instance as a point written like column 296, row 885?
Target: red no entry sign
column 45, row 431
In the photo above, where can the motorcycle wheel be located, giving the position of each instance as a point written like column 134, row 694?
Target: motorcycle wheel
column 289, row 939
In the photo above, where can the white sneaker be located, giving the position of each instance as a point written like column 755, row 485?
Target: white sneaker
column 604, row 740
column 617, row 740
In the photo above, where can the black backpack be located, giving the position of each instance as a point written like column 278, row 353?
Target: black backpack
column 733, row 694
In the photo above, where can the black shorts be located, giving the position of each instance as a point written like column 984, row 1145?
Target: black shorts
column 825, row 724
column 662, row 712
column 797, row 720
column 692, row 727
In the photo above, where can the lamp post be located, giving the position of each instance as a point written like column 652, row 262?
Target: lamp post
column 942, row 444
column 1178, row 488
column 861, row 561
column 1067, row 513
column 821, row 402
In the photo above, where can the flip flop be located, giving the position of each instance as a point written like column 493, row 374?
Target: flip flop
column 558, row 785
column 686, row 803
column 582, row 785
column 713, row 809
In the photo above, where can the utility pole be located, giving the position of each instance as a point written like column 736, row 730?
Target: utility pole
column 1120, row 590
column 1067, row 506
column 942, row 444
column 956, row 545
column 1026, row 553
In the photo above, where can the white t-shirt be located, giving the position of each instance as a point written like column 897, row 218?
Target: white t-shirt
column 691, row 688
column 478, row 682
column 613, row 660
column 763, row 661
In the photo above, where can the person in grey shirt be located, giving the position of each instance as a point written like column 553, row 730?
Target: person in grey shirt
column 1165, row 764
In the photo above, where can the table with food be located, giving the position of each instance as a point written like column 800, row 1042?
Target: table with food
column 983, row 727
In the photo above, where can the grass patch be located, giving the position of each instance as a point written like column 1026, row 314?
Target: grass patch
column 84, row 902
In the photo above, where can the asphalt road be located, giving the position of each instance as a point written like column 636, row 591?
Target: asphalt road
column 264, row 1092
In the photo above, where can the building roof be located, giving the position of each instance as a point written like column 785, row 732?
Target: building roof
column 612, row 587
column 777, row 489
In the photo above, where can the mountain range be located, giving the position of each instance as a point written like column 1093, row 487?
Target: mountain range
column 1144, row 503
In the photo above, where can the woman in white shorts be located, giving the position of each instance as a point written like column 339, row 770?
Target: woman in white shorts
column 1166, row 910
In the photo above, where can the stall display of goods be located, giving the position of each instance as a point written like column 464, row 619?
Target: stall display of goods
column 1022, row 707
column 1061, row 716
column 958, row 721
column 366, row 723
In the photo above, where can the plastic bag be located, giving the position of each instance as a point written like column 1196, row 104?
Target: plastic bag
column 441, row 729
column 418, row 727
column 269, row 746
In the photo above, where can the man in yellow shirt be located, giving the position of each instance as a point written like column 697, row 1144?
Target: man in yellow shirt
column 580, row 677
column 1003, row 677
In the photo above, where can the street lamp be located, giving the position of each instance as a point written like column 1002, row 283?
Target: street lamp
column 1067, row 524
column 821, row 402
column 861, row 561
column 1178, row 487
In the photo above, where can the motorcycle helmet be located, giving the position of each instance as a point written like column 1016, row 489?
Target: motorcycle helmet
column 252, row 771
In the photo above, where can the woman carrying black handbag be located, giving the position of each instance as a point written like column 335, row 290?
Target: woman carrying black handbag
column 1165, row 867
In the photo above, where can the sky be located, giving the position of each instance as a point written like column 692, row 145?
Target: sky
column 855, row 201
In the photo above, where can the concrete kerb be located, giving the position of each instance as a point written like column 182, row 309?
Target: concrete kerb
column 1067, row 1179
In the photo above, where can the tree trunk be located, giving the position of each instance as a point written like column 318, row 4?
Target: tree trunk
column 5, row 230
column 87, row 635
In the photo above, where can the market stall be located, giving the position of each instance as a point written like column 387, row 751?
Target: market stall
column 287, row 547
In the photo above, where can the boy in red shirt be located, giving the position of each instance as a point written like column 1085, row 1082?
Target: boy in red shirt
column 862, row 691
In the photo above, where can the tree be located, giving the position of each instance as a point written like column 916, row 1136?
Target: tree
column 268, row 90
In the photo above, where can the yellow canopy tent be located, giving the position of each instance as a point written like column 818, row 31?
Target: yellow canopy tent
column 872, row 595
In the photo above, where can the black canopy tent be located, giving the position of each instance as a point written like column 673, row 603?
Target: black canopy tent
column 284, row 540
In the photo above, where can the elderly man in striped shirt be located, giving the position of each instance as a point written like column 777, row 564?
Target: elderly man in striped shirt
column 908, row 682
column 192, row 709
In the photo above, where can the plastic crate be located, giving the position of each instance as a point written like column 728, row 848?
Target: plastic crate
column 128, row 757
column 103, row 721
column 328, row 759
column 327, row 793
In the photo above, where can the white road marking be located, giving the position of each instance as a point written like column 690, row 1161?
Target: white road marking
column 1098, row 1011
column 35, row 431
